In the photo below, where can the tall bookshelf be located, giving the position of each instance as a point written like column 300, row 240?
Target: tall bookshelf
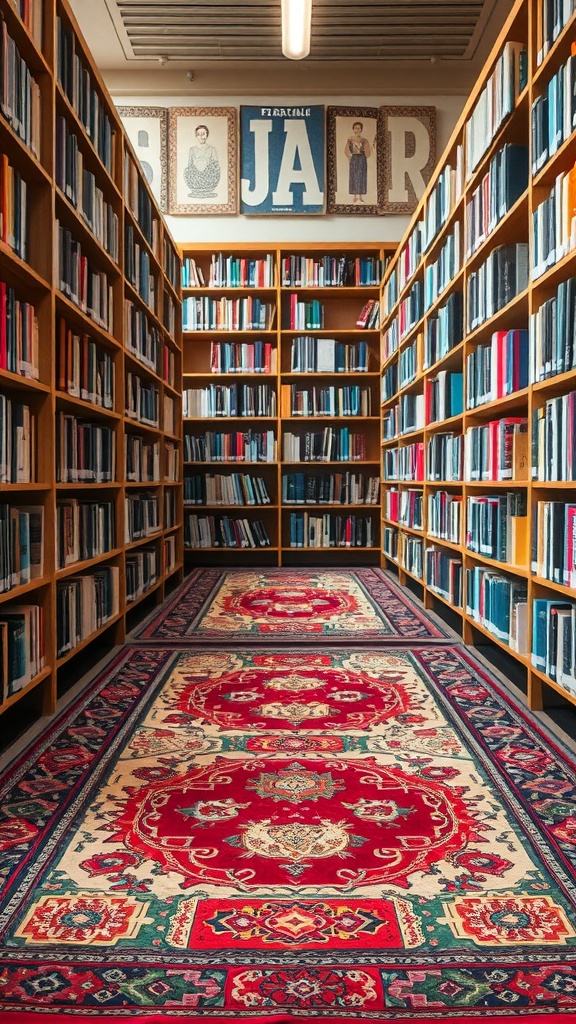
column 477, row 433
column 311, row 299
column 90, row 414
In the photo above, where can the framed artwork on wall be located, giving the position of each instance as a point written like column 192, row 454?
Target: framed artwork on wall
column 408, row 140
column 146, row 127
column 202, row 148
column 282, row 160
column 355, row 180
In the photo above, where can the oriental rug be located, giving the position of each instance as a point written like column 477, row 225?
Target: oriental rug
column 337, row 835
column 284, row 605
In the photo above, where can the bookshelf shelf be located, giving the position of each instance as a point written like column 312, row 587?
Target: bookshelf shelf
column 342, row 305
column 529, row 519
column 67, row 332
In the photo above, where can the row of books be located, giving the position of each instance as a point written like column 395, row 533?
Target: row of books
column 236, row 446
column 21, row 646
column 554, row 544
column 390, row 542
column 20, row 102
column 85, row 286
column 408, row 365
column 304, row 315
column 169, row 313
column 171, row 509
column 553, row 334
column 438, row 275
column 553, row 115
column 497, row 450
column 171, row 462
column 368, row 318
column 17, row 442
column 554, row 225
column 229, row 400
column 142, row 513
column 497, row 281
column 554, row 15
column 504, row 182
column 326, row 355
column 443, row 574
column 84, row 604
column 443, row 198
column 85, row 452
column 224, row 532
column 139, row 202
column 330, row 489
column 79, row 186
column 440, row 460
column 553, row 641
column 141, row 337
column 84, row 529
column 411, row 309
column 13, row 208
column 21, row 545
column 141, row 572
column 443, row 396
column 30, row 12
column 142, row 459
column 411, row 254
column 497, row 369
column 554, row 439
column 389, row 382
column 404, row 463
column 496, row 102
column 390, row 340
column 142, row 400
column 404, row 507
column 330, row 271
column 138, row 269
column 444, row 330
column 499, row 604
column 249, row 313
column 404, row 417
column 18, row 334
column 496, row 526
column 85, row 369
column 330, row 531
column 168, row 555
column 229, row 489
column 76, row 81
column 171, row 264
column 243, row 357
column 444, row 518
column 334, row 444
column 350, row 400
column 230, row 272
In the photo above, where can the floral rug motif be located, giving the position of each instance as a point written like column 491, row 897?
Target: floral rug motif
column 284, row 605
column 342, row 835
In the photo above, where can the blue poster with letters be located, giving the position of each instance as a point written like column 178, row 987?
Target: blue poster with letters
column 282, row 159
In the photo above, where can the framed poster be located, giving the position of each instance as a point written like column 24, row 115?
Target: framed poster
column 202, row 147
column 355, row 178
column 146, row 127
column 282, row 160
column 409, row 154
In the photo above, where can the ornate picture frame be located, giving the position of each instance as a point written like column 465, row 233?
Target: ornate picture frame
column 355, row 169
column 203, row 160
column 147, row 129
column 408, row 142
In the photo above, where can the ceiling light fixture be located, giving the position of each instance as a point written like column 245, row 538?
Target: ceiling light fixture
column 296, row 21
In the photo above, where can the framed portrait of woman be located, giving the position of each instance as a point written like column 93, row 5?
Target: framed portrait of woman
column 355, row 183
column 202, row 150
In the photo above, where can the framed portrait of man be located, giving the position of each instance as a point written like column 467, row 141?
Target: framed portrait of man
column 202, row 146
column 355, row 181
column 147, row 129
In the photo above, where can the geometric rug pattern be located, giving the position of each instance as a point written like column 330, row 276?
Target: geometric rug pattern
column 336, row 834
column 284, row 605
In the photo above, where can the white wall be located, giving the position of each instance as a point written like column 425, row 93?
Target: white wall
column 303, row 229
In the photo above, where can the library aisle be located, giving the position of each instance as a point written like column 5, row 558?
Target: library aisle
column 289, row 816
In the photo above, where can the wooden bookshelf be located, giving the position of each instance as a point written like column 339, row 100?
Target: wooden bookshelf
column 342, row 304
column 82, row 366
column 455, row 207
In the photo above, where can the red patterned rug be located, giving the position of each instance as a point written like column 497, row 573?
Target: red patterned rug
column 359, row 835
column 284, row 605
